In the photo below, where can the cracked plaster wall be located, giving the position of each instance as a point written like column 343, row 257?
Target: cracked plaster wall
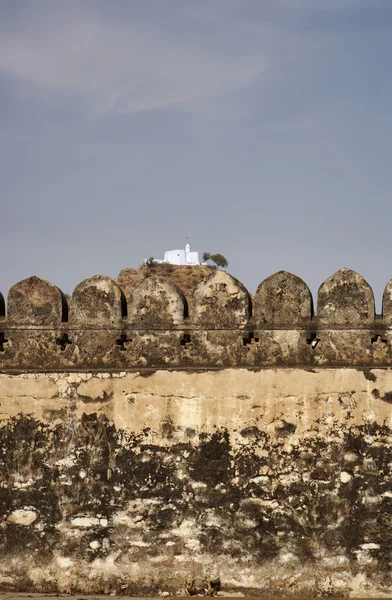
column 146, row 442
column 278, row 481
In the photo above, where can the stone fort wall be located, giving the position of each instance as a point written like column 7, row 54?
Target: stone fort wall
column 221, row 327
column 149, row 445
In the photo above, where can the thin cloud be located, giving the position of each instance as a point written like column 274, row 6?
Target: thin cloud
column 119, row 68
column 325, row 5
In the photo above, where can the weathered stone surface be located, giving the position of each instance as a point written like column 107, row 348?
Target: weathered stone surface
column 185, row 474
column 185, row 277
column 387, row 303
column 157, row 302
column 38, row 349
column 345, row 299
column 98, row 301
column 219, row 332
column 35, row 301
column 22, row 516
column 273, row 481
column 221, row 302
column 283, row 300
column 127, row 348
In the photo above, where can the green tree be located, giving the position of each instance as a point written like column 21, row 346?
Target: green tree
column 220, row 260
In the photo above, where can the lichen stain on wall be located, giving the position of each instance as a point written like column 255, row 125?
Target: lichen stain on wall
column 277, row 481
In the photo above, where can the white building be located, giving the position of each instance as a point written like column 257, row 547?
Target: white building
column 179, row 257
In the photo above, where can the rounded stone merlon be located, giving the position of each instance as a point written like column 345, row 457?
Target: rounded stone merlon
column 387, row 303
column 345, row 299
column 220, row 302
column 157, row 302
column 98, row 300
column 283, row 300
column 35, row 301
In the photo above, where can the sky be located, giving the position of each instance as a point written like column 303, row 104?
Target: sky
column 260, row 129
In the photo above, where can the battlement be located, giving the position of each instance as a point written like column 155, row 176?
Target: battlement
column 152, row 439
column 221, row 326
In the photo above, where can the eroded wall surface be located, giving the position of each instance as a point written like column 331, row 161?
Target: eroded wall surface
column 151, row 441
column 277, row 481
column 221, row 326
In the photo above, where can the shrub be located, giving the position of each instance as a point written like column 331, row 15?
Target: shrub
column 220, row 260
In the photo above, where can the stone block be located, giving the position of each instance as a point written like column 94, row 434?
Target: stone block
column 157, row 302
column 283, row 300
column 35, row 301
column 98, row 301
column 221, row 302
column 345, row 300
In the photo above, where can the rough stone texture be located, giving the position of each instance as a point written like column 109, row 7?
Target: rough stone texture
column 35, row 301
column 277, row 481
column 185, row 277
column 157, row 302
column 221, row 302
column 345, row 299
column 97, row 301
column 219, row 331
column 128, row 348
column 283, row 300
column 162, row 452
column 387, row 303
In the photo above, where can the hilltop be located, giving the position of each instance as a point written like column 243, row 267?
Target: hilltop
column 186, row 277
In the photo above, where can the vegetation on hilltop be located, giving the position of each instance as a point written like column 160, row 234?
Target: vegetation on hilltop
column 218, row 259
column 186, row 277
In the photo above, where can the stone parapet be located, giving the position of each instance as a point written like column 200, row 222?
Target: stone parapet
column 221, row 326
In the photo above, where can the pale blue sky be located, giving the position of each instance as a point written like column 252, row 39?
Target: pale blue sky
column 258, row 128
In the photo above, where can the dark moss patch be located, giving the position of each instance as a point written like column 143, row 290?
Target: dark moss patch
column 369, row 375
column 211, row 464
column 104, row 398
column 387, row 397
column 147, row 372
column 251, row 433
column 252, row 501
column 285, row 430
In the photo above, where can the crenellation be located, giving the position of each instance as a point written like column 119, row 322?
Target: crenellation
column 221, row 302
column 97, row 301
column 152, row 447
column 154, row 327
column 157, row 303
column 346, row 299
column 283, row 300
column 36, row 302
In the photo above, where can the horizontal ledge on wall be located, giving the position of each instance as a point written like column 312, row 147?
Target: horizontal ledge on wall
column 376, row 327
column 151, row 370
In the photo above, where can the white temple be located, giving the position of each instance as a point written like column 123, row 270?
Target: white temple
column 180, row 257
